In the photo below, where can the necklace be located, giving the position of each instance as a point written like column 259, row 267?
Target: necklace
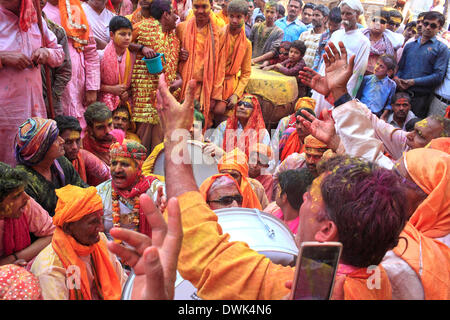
column 116, row 211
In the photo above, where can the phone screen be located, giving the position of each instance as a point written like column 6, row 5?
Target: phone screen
column 316, row 271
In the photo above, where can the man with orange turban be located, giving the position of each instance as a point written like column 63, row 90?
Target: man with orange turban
column 235, row 163
column 419, row 268
column 77, row 264
column 203, row 38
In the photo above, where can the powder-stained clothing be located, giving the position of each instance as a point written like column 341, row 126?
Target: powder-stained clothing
column 43, row 191
column 144, row 84
column 21, row 90
column 91, row 169
column 377, row 93
column 270, row 41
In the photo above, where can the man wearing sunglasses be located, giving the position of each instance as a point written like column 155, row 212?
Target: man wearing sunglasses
column 221, row 191
column 394, row 20
column 420, row 79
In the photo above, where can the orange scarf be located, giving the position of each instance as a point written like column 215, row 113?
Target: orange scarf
column 106, row 279
column 237, row 57
column 236, row 160
column 80, row 167
column 210, row 66
column 429, row 258
column 442, row 144
column 73, row 204
column 430, row 170
column 356, row 285
column 255, row 123
column 76, row 25
column 293, row 144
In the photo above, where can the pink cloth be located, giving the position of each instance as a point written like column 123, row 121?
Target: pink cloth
column 292, row 225
column 21, row 90
column 99, row 23
column 110, row 69
column 96, row 170
column 85, row 72
column 39, row 222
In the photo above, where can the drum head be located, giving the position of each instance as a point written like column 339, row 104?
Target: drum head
column 203, row 165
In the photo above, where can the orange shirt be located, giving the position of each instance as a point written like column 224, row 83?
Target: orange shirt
column 221, row 269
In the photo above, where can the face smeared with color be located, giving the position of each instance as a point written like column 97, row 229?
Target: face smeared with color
column 271, row 14
column 313, row 204
column 401, row 108
column 237, row 20
column 72, row 143
column 222, row 193
column 124, row 172
column 13, row 206
column 86, row 230
column 244, row 109
column 313, row 156
column 100, row 130
column 236, row 175
column 424, row 131
column 121, row 120
column 201, row 9
column 122, row 37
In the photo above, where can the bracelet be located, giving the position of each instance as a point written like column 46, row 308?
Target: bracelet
column 15, row 256
column 142, row 47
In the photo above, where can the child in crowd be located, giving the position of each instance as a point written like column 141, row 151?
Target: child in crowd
column 281, row 55
column 116, row 65
column 293, row 64
column 377, row 89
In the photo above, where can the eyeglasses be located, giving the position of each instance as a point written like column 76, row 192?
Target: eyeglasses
column 394, row 24
column 432, row 25
column 227, row 200
column 246, row 104
column 382, row 21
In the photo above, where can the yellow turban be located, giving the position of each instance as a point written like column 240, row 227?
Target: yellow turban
column 74, row 203
column 312, row 144
column 305, row 102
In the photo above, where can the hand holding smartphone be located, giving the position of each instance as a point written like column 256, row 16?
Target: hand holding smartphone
column 315, row 270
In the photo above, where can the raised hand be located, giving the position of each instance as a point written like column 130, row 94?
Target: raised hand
column 154, row 261
column 337, row 69
column 322, row 130
column 172, row 114
column 314, row 80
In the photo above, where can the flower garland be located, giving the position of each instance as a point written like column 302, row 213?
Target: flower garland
column 116, row 212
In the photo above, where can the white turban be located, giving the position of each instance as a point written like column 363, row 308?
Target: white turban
column 353, row 4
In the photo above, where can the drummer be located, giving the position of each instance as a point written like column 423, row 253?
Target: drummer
column 221, row 191
column 245, row 127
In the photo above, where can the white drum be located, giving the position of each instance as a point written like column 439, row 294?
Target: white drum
column 203, row 165
column 262, row 232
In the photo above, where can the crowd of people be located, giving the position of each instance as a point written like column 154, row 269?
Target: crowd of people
column 97, row 176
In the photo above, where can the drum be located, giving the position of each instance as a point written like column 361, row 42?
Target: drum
column 203, row 165
column 261, row 231
column 276, row 93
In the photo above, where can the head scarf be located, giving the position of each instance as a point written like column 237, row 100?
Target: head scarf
column 442, row 144
column 129, row 149
column 305, row 102
column 16, row 283
column 353, row 4
column 27, row 16
column 430, row 170
column 34, row 138
column 312, row 145
column 75, row 23
column 206, row 185
column 73, row 204
column 237, row 160
column 255, row 123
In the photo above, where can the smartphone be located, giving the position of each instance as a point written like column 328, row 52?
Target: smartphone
column 315, row 270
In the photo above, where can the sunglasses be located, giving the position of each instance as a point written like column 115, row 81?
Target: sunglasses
column 382, row 21
column 394, row 24
column 227, row 200
column 284, row 53
column 432, row 25
column 245, row 104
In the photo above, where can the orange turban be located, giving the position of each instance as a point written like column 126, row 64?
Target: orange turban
column 442, row 144
column 74, row 203
column 430, row 170
column 234, row 160
column 312, row 145
column 305, row 102
column 206, row 185
column 237, row 160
